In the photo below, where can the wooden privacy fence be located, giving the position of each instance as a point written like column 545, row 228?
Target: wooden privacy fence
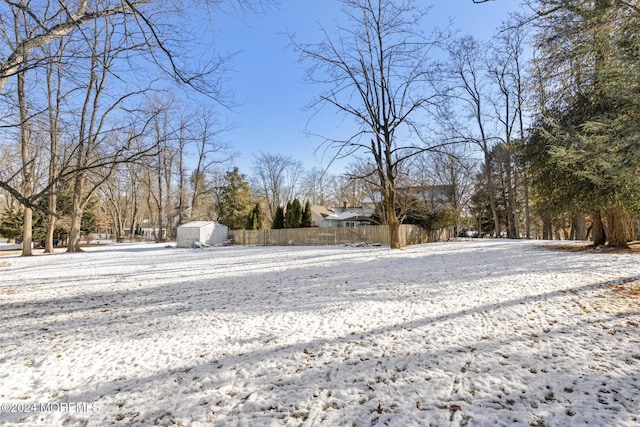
column 371, row 234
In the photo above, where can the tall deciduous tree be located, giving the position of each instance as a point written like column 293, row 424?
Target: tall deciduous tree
column 150, row 24
column 210, row 152
column 468, row 68
column 377, row 71
column 104, row 139
column 317, row 187
column 150, row 27
column 55, row 94
column 276, row 178
column 506, row 70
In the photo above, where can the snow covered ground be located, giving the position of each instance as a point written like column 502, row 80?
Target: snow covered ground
column 4, row 246
column 478, row 333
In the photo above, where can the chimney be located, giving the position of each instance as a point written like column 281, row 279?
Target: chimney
column 345, row 205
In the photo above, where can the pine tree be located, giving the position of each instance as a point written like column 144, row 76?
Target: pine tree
column 307, row 218
column 278, row 219
column 251, row 221
column 255, row 219
column 589, row 55
column 293, row 217
column 235, row 199
column 11, row 224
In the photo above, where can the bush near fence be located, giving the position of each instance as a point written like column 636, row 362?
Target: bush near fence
column 370, row 234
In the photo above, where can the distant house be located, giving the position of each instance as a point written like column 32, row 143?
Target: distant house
column 151, row 233
column 318, row 214
column 435, row 197
column 207, row 232
column 420, row 205
column 339, row 216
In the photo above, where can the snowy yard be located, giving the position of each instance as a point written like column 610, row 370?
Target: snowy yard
column 477, row 333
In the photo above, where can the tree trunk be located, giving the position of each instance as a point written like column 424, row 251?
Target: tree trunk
column 514, row 229
column 27, row 166
column 54, row 86
column 53, row 198
column 51, row 226
column 394, row 231
column 579, row 227
column 547, row 227
column 134, row 214
column 73, row 245
column 392, row 217
column 597, row 229
column 566, row 234
column 617, row 228
column 492, row 198
column 27, row 232
column 168, row 234
column 160, row 235
column 75, row 232
column 527, row 209
column 181, row 180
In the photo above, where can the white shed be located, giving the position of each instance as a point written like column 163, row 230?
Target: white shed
column 208, row 232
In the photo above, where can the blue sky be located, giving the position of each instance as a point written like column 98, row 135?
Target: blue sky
column 269, row 84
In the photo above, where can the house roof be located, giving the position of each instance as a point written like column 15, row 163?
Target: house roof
column 197, row 224
column 321, row 210
column 346, row 215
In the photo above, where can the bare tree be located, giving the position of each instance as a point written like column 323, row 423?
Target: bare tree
column 151, row 27
column 150, row 23
column 359, row 183
column 378, row 72
column 514, row 42
column 159, row 172
column 28, row 165
column 317, row 187
column 507, row 104
column 210, row 152
column 468, row 67
column 277, row 178
column 54, row 100
column 104, row 138
column 118, row 197
column 453, row 171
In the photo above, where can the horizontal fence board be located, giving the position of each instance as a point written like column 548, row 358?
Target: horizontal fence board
column 314, row 236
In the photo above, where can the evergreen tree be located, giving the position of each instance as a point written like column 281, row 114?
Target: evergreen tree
column 251, row 224
column 307, row 218
column 11, row 224
column 287, row 214
column 278, row 219
column 235, row 199
column 89, row 221
column 259, row 215
column 11, row 221
column 293, row 217
column 256, row 218
column 589, row 56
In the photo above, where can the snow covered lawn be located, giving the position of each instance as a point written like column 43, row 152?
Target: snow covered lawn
column 477, row 333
